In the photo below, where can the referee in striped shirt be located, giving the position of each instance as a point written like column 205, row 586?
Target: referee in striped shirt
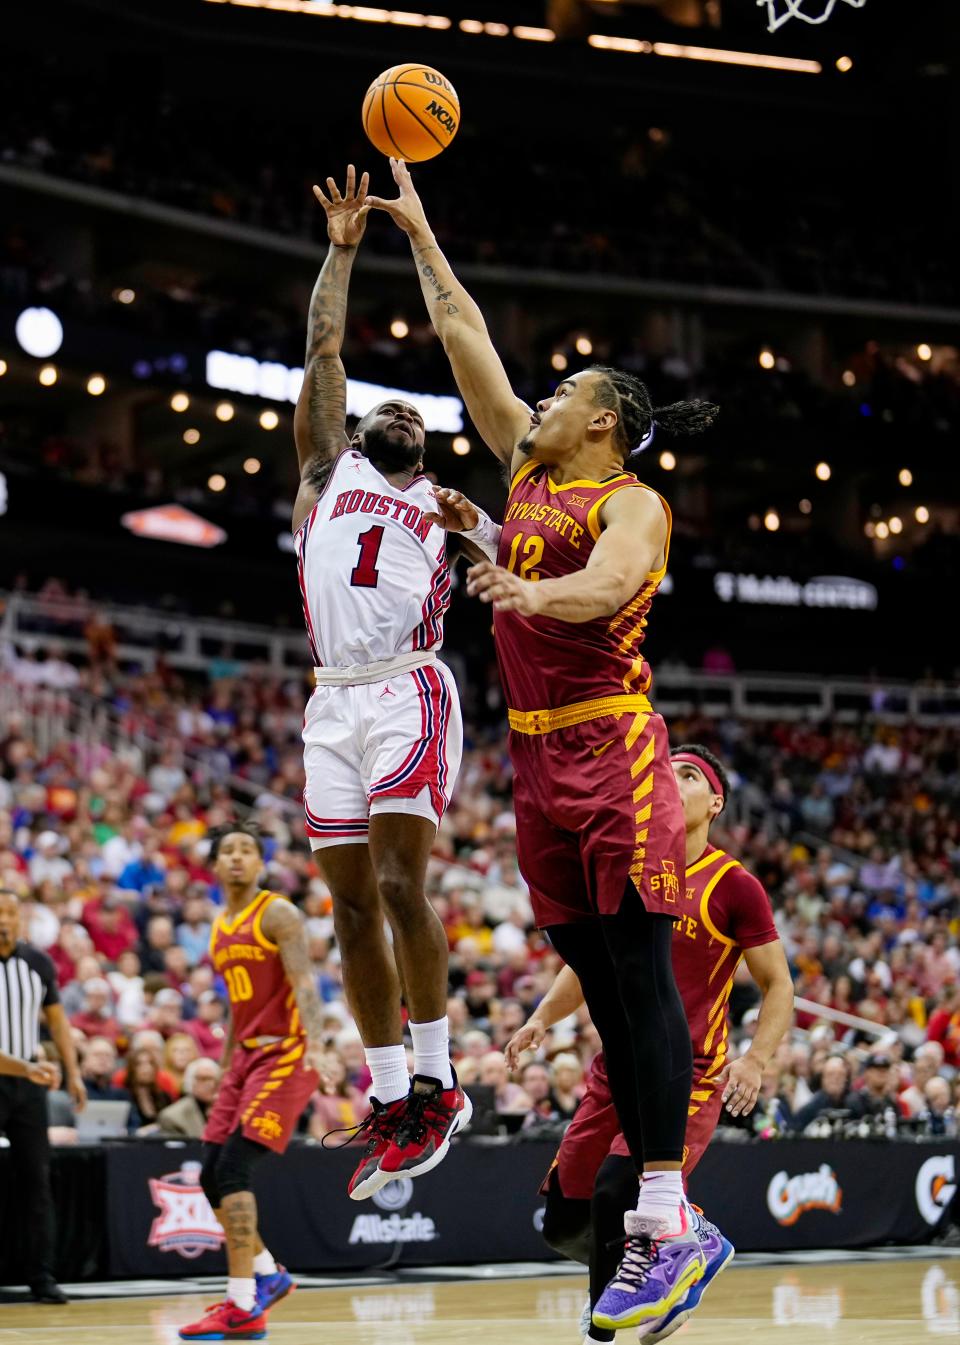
column 28, row 988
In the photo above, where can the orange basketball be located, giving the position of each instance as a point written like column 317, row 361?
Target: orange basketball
column 411, row 112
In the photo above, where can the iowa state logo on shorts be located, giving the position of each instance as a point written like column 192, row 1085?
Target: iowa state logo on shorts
column 789, row 1197
column 186, row 1223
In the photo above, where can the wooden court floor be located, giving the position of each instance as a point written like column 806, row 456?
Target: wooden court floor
column 885, row 1303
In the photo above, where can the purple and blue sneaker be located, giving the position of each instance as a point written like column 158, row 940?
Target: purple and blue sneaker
column 271, row 1288
column 657, row 1270
column 719, row 1252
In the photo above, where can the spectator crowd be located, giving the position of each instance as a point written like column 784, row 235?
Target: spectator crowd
column 854, row 832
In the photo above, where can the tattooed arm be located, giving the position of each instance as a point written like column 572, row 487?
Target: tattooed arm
column 283, row 925
column 500, row 416
column 319, row 422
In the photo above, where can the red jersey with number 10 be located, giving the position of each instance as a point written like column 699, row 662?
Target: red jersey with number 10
column 261, row 998
column 550, row 531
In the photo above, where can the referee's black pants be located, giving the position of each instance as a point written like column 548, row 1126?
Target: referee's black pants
column 23, row 1119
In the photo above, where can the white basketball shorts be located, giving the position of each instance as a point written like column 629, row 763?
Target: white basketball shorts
column 383, row 747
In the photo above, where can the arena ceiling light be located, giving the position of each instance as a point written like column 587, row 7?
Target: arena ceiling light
column 527, row 33
column 758, row 60
column 39, row 332
column 264, row 378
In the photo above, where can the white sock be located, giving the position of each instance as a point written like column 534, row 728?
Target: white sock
column 431, row 1050
column 242, row 1292
column 264, row 1264
column 388, row 1065
column 661, row 1196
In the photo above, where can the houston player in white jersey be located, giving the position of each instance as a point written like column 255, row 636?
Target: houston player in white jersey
column 382, row 733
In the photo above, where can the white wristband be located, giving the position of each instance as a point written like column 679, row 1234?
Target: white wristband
column 486, row 535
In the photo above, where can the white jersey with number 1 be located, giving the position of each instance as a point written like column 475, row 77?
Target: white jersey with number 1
column 373, row 572
column 375, row 585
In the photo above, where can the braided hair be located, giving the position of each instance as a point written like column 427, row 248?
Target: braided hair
column 636, row 414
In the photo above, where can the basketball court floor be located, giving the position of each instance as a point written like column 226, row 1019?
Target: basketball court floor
column 885, row 1298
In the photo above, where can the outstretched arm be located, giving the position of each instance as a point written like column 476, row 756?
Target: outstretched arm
column 319, row 422
column 283, row 924
column 630, row 547
column 499, row 415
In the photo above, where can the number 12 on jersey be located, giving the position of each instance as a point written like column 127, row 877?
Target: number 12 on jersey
column 532, row 553
column 365, row 574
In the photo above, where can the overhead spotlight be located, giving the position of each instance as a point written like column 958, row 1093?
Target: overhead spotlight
column 823, row 471
column 251, row 466
column 922, row 513
column 806, row 507
column 849, row 378
column 48, row 375
column 559, row 361
column 125, row 296
column 40, row 332
column 905, row 476
column 844, row 64
column 269, row 420
column 225, row 411
column 924, row 352
column 216, row 482
column 179, row 401
column 771, row 520
column 767, row 359
column 191, row 436
column 399, row 329
column 882, row 531
column 667, row 460
column 3, row 368
column 96, row 384
column 895, row 524
column 461, row 445
column 870, row 529
column 584, row 345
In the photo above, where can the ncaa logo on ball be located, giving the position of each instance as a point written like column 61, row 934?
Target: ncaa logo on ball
column 936, row 1186
column 394, row 1195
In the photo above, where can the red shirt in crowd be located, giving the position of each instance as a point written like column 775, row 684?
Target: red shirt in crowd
column 944, row 1027
column 110, row 943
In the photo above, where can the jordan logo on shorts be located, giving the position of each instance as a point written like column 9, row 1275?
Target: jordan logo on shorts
column 387, row 691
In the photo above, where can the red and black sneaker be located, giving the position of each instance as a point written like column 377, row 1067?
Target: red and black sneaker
column 433, row 1116
column 380, row 1128
column 225, row 1321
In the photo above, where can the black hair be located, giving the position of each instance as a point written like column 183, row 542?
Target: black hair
column 636, row 415
column 713, row 761
column 220, row 834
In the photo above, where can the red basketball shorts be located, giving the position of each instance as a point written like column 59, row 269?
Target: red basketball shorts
column 595, row 1132
column 598, row 808
column 263, row 1093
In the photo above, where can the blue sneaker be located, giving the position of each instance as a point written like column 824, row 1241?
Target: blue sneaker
column 657, row 1270
column 719, row 1252
column 271, row 1288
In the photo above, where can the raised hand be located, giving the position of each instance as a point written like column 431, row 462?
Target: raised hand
column 407, row 210
column 454, row 511
column 346, row 214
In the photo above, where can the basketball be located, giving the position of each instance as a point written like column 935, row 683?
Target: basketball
column 411, row 112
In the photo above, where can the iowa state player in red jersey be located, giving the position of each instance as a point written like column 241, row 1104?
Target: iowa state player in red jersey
column 271, row 1064
column 600, row 830
column 723, row 916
